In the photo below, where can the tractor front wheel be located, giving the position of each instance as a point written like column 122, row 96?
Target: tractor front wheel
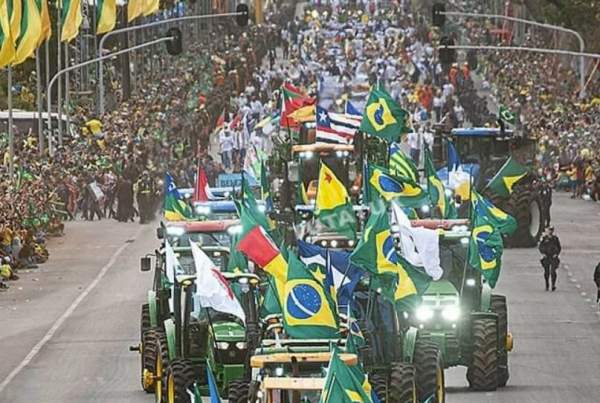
column 401, row 388
column 180, row 377
column 238, row 390
column 161, row 360
column 482, row 373
column 148, row 351
column 429, row 372
column 498, row 305
column 379, row 385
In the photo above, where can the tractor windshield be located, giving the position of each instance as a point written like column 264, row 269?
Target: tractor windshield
column 477, row 149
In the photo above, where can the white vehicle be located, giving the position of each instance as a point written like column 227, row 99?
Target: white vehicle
column 26, row 121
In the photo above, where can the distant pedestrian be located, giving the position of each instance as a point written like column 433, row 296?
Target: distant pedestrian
column 550, row 249
column 597, row 281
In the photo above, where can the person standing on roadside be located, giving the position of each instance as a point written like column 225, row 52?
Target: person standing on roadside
column 550, row 249
column 597, row 281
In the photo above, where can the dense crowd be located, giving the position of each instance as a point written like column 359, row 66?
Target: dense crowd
column 114, row 164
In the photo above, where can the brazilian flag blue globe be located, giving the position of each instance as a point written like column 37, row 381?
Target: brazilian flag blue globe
column 383, row 117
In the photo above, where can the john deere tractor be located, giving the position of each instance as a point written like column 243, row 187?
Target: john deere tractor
column 461, row 315
column 404, row 364
column 483, row 151
column 174, row 331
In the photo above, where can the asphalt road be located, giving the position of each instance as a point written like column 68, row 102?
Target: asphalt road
column 66, row 327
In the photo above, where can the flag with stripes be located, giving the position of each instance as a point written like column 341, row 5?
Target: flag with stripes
column 401, row 165
column 335, row 127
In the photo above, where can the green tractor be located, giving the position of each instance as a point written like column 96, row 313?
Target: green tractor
column 172, row 332
column 461, row 315
column 483, row 151
column 404, row 364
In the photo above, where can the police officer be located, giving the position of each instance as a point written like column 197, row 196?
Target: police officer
column 145, row 187
column 550, row 249
column 546, row 199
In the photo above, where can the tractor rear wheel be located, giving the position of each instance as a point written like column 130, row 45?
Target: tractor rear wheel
column 526, row 207
column 161, row 360
column 429, row 372
column 401, row 388
column 499, row 306
column 238, row 390
column 180, row 377
column 379, row 385
column 482, row 373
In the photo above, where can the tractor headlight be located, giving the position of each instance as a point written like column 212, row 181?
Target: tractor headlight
column 424, row 313
column 262, row 208
column 241, row 345
column 464, row 241
column 279, row 371
column 470, row 282
column 222, row 345
column 451, row 313
column 324, row 244
column 234, row 229
column 203, row 210
column 334, row 244
column 351, row 243
column 339, row 154
column 425, row 209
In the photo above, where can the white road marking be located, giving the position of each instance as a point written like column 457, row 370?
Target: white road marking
column 48, row 336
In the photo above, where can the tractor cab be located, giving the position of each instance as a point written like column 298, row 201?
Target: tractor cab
column 304, row 167
column 204, row 233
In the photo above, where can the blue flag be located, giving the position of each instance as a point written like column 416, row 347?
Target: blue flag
column 213, row 392
column 352, row 110
column 453, row 157
column 341, row 276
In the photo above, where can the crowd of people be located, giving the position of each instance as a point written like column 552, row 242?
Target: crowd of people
column 113, row 166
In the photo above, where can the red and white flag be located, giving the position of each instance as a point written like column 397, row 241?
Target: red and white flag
column 212, row 289
column 202, row 190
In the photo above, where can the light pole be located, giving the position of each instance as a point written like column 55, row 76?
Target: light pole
column 537, row 24
column 142, row 26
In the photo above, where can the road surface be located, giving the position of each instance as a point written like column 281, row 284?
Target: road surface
column 66, row 327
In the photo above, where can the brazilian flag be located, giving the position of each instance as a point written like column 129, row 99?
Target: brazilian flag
column 507, row 177
column 485, row 249
column 501, row 221
column 176, row 209
column 265, row 189
column 506, row 115
column 341, row 384
column 401, row 164
column 250, row 206
column 399, row 281
column 407, row 192
column 333, row 207
column 436, row 190
column 237, row 262
column 383, row 117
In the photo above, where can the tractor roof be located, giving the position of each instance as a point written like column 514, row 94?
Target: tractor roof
column 480, row 132
column 208, row 226
column 322, row 148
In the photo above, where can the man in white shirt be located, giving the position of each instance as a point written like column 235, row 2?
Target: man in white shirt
column 226, row 142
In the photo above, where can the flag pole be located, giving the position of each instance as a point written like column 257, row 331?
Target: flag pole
column 38, row 85
column 11, row 139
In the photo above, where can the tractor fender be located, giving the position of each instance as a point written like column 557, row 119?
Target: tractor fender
column 152, row 308
column 408, row 344
column 170, row 333
column 486, row 298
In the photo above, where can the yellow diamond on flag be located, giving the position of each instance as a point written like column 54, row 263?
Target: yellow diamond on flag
column 379, row 114
column 510, row 181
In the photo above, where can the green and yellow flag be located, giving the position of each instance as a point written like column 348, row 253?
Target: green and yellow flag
column 402, row 165
column 106, row 16
column 507, row 177
column 383, row 117
column 437, row 191
column 506, row 115
column 176, row 209
column 42, row 6
column 407, row 192
column 485, row 249
column 501, row 221
column 341, row 383
column 7, row 44
column 135, row 8
column 308, row 310
column 399, row 281
column 151, row 7
column 71, row 19
column 30, row 32
column 15, row 10
column 333, row 206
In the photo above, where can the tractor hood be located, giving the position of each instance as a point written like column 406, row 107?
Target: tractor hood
column 441, row 288
column 229, row 331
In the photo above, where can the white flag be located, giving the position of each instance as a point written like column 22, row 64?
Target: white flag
column 420, row 246
column 172, row 263
column 212, row 289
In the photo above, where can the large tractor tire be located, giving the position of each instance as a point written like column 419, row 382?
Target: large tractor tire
column 429, row 372
column 526, row 207
column 482, row 373
column 148, row 351
column 402, row 388
column 379, row 383
column 238, row 390
column 161, row 361
column 144, row 320
column 180, row 378
column 499, row 306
